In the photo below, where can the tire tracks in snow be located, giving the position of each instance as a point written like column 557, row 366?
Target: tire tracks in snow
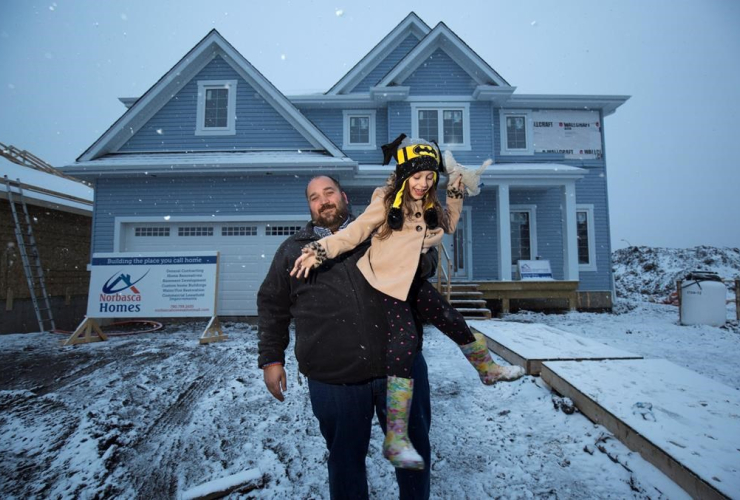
column 154, row 460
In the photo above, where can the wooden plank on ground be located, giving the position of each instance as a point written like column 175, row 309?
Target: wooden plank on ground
column 685, row 424
column 529, row 345
column 219, row 488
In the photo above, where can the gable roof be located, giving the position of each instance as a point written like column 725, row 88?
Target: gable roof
column 412, row 24
column 176, row 78
column 442, row 37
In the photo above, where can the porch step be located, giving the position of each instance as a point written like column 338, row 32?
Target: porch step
column 468, row 300
column 464, row 287
column 474, row 312
column 465, row 294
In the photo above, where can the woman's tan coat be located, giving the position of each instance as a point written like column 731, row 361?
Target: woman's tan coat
column 389, row 265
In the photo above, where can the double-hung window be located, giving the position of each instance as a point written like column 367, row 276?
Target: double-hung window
column 216, row 113
column 446, row 123
column 516, row 133
column 586, row 238
column 359, row 129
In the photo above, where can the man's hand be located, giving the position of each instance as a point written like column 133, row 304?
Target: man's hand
column 275, row 380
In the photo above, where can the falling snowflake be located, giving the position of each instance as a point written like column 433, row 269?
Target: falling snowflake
column 124, row 17
column 159, row 131
column 282, row 56
column 339, row 12
column 166, row 217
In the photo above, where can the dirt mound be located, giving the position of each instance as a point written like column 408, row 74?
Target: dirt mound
column 650, row 273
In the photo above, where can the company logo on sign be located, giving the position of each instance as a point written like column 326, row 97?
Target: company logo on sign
column 126, row 278
column 120, row 294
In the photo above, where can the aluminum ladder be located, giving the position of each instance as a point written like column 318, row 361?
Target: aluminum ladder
column 31, row 261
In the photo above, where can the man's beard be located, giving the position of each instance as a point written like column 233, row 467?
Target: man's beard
column 331, row 216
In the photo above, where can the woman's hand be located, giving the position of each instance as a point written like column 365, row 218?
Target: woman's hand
column 304, row 263
column 457, row 184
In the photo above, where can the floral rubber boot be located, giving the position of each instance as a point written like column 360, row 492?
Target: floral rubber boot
column 489, row 372
column 397, row 447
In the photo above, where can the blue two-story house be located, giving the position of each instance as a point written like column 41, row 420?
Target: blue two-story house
column 214, row 157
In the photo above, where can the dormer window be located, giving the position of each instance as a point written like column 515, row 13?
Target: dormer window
column 216, row 107
column 359, row 129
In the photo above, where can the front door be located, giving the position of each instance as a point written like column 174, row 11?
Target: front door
column 458, row 247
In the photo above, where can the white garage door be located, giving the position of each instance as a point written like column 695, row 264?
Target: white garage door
column 246, row 251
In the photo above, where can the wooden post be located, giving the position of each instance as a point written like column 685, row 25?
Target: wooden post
column 737, row 299
column 439, row 268
column 213, row 332
column 680, row 305
column 83, row 333
column 504, row 306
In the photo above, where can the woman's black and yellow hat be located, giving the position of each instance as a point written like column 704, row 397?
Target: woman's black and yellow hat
column 412, row 156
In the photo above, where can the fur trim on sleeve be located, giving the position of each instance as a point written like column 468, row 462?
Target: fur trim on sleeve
column 318, row 251
column 454, row 193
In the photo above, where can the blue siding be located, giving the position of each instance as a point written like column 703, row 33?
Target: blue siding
column 193, row 196
column 258, row 124
column 592, row 190
column 331, row 123
column 440, row 75
column 382, row 69
column 484, row 215
column 399, row 119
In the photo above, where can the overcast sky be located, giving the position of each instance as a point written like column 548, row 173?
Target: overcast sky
column 672, row 166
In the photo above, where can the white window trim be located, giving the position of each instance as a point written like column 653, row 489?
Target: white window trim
column 230, row 128
column 589, row 209
column 361, row 112
column 532, row 211
column 439, row 107
column 529, row 150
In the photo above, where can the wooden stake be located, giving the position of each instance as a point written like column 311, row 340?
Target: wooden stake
column 83, row 333
column 213, row 332
column 680, row 301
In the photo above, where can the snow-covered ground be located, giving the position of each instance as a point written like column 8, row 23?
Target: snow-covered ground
column 154, row 415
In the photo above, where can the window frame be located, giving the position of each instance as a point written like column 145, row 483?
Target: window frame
column 230, row 128
column 348, row 114
column 589, row 209
column 440, row 108
column 532, row 211
column 528, row 129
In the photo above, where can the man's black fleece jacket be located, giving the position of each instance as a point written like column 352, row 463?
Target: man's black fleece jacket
column 340, row 327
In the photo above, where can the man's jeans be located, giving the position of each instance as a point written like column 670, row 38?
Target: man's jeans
column 345, row 414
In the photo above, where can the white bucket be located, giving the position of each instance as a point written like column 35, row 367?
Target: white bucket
column 703, row 302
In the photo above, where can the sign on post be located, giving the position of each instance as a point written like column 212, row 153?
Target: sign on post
column 156, row 284
column 534, row 270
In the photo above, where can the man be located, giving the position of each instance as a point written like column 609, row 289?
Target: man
column 341, row 336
